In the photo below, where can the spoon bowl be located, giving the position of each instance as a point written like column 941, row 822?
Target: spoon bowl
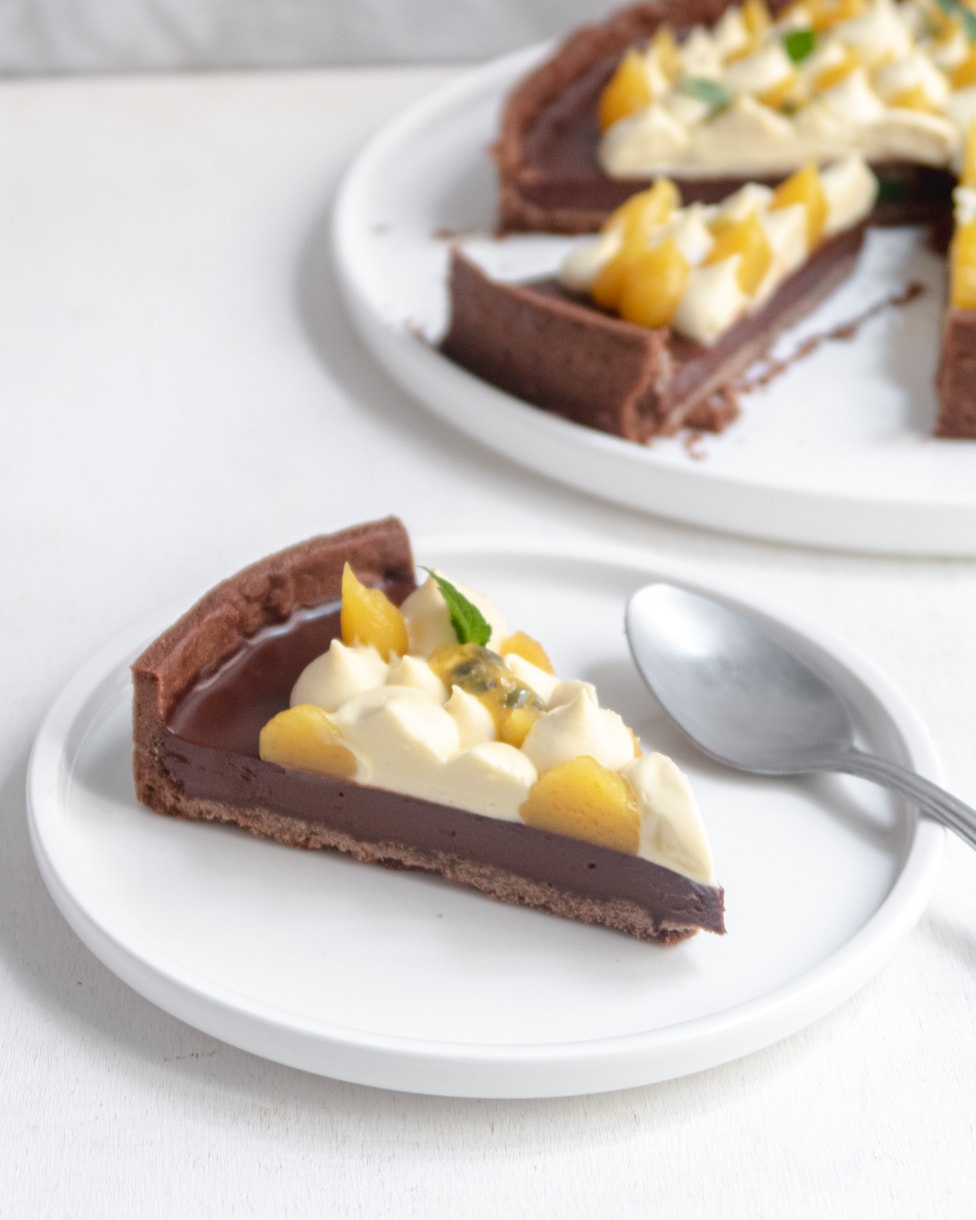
column 749, row 702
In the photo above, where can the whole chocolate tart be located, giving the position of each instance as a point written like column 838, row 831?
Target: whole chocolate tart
column 550, row 180
column 205, row 687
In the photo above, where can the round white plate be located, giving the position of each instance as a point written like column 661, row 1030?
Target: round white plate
column 836, row 452
column 400, row 980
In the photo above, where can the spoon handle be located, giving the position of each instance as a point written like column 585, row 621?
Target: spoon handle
column 929, row 797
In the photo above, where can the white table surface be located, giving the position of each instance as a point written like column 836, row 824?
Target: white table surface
column 178, row 381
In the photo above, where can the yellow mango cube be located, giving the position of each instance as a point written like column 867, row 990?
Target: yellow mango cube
column 827, row 13
column 369, row 617
column 782, row 93
column 804, row 187
column 583, row 799
column 835, row 73
column 964, row 73
column 913, row 98
column 646, row 211
column 962, row 267
column 635, row 220
column 627, row 92
column 653, row 284
column 967, row 176
column 305, row 737
column 748, row 240
column 514, row 723
column 527, row 648
column 609, row 281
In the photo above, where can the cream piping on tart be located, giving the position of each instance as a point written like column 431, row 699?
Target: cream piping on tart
column 483, row 725
column 698, row 269
column 755, row 96
column 882, row 80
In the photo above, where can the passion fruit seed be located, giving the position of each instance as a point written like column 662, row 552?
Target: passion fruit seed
column 480, row 672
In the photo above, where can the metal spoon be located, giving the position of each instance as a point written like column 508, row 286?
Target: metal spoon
column 752, row 704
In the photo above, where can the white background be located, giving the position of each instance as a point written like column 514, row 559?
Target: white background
column 182, row 392
column 45, row 36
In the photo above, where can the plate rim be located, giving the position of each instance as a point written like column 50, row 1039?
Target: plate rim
column 484, row 1069
column 848, row 519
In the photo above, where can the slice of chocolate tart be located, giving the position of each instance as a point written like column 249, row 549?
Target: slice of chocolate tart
column 321, row 698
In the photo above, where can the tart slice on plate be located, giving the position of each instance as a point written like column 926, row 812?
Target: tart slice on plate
column 325, row 699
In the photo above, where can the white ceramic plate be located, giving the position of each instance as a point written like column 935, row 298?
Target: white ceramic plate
column 403, row 981
column 837, row 452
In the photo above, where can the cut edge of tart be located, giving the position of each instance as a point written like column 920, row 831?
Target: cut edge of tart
column 911, row 104
column 207, row 686
column 549, row 343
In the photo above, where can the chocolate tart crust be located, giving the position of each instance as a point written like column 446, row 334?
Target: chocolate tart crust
column 957, row 376
column 185, row 770
column 269, row 591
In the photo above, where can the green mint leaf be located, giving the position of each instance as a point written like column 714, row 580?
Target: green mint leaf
column 967, row 19
column 798, row 44
column 470, row 625
column 711, row 92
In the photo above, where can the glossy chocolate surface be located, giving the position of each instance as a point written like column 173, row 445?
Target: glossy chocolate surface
column 227, row 709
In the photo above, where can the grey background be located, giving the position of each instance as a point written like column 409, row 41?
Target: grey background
column 44, row 37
